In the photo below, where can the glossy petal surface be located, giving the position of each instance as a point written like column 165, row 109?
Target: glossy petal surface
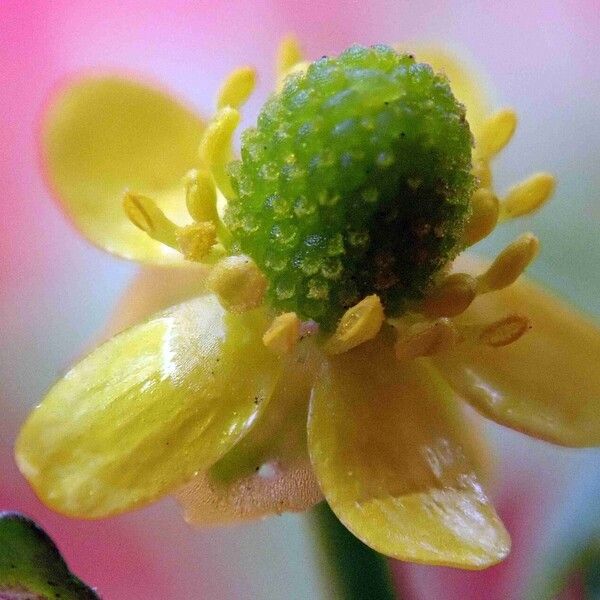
column 547, row 384
column 268, row 471
column 148, row 409
column 104, row 135
column 390, row 453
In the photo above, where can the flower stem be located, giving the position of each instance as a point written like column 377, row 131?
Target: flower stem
column 353, row 571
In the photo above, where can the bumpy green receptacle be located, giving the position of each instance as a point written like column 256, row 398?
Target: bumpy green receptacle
column 355, row 181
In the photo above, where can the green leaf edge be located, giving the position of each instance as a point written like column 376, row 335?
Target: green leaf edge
column 35, row 584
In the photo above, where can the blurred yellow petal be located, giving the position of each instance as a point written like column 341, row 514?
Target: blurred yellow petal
column 391, row 453
column 104, row 135
column 147, row 410
column 466, row 83
column 268, row 472
column 546, row 384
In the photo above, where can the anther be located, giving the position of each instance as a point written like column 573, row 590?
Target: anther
column 201, row 196
column 239, row 283
column 359, row 324
column 283, row 334
column 288, row 55
column 237, row 88
column 426, row 339
column 484, row 216
column 528, row 196
column 144, row 214
column 216, row 145
column 496, row 132
column 451, row 297
column 196, row 241
column 509, row 264
column 505, row 331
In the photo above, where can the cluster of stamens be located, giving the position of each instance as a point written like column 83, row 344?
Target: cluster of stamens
column 428, row 327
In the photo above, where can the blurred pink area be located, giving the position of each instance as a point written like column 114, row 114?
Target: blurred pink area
column 56, row 291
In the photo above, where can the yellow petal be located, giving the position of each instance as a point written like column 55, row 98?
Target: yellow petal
column 466, row 83
column 148, row 409
column 546, row 384
column 391, row 454
column 104, row 135
column 268, row 471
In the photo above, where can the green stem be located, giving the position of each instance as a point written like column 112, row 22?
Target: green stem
column 353, row 571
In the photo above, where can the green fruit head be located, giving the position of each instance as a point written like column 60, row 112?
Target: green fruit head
column 356, row 180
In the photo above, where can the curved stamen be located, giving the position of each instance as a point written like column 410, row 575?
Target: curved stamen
column 201, row 196
column 509, row 264
column 527, row 196
column 216, row 146
column 504, row 331
column 288, row 55
column 359, row 324
column 484, row 216
column 426, row 339
column 451, row 297
column 145, row 214
column 430, row 338
column 496, row 132
column 236, row 89
column 283, row 334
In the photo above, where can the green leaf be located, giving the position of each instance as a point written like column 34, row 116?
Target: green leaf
column 31, row 567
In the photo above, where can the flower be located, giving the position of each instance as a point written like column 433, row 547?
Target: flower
column 215, row 393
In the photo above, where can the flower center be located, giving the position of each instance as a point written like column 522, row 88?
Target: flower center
column 355, row 181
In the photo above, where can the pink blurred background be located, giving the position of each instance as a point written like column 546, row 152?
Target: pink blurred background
column 56, row 291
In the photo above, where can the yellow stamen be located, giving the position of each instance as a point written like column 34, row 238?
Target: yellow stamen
column 482, row 172
column 451, row 297
column 496, row 132
column 504, row 331
column 237, row 88
column 437, row 337
column 143, row 213
column 528, row 196
column 288, row 55
column 216, row 146
column 195, row 241
column 509, row 264
column 426, row 339
column 484, row 216
column 239, row 283
column 201, row 196
column 359, row 324
column 283, row 334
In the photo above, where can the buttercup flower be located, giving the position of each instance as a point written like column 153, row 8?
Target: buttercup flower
column 332, row 295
